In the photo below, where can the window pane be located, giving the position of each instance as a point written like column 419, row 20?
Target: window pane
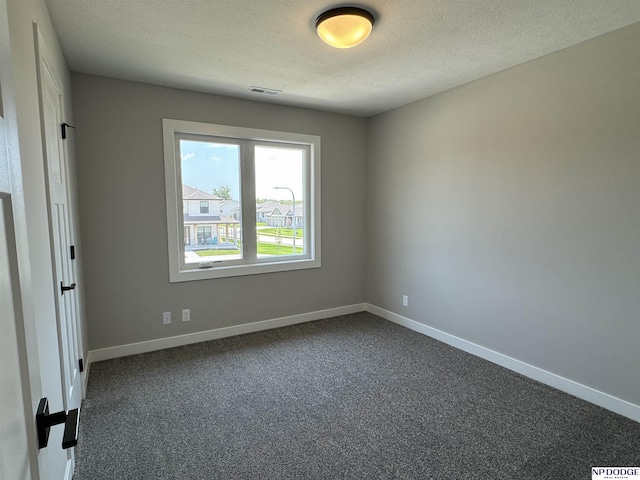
column 210, row 201
column 280, row 197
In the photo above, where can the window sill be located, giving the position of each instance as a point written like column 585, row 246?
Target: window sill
column 189, row 274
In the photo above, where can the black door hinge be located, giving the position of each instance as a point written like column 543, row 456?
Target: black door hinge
column 72, row 250
column 66, row 289
column 63, row 127
column 81, row 365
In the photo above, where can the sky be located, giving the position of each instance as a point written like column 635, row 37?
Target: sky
column 209, row 165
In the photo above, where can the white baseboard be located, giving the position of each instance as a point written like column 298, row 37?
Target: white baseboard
column 180, row 340
column 589, row 394
column 584, row 392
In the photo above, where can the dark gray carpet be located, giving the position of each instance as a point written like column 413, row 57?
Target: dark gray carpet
column 352, row 397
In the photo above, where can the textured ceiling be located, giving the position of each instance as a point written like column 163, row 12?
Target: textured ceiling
column 417, row 48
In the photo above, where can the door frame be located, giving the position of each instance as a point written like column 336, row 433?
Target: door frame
column 14, row 207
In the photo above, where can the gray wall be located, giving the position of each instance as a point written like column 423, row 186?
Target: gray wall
column 509, row 211
column 123, row 217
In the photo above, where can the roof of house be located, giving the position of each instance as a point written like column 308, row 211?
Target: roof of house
column 201, row 218
column 283, row 209
column 232, row 205
column 190, row 193
column 266, row 207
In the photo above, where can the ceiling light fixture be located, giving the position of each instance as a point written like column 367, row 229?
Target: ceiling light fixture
column 344, row 27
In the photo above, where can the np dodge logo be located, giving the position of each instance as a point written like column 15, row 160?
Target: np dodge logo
column 615, row 473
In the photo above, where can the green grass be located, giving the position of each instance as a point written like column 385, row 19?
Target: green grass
column 284, row 232
column 263, row 249
column 273, row 249
column 211, row 253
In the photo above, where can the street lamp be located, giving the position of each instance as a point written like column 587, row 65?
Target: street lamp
column 293, row 219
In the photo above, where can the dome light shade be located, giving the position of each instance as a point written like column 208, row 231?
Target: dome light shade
column 344, row 27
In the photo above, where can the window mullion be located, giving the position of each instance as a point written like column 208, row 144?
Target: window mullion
column 179, row 206
column 248, row 188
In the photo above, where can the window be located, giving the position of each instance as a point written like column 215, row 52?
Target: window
column 240, row 201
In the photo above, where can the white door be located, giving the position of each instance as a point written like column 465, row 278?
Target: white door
column 61, row 237
column 60, row 231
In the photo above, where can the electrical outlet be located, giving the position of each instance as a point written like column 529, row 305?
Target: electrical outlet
column 405, row 300
column 186, row 315
column 166, row 318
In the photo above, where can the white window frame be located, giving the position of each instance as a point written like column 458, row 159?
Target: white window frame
column 250, row 264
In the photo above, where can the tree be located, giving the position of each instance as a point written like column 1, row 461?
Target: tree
column 223, row 192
